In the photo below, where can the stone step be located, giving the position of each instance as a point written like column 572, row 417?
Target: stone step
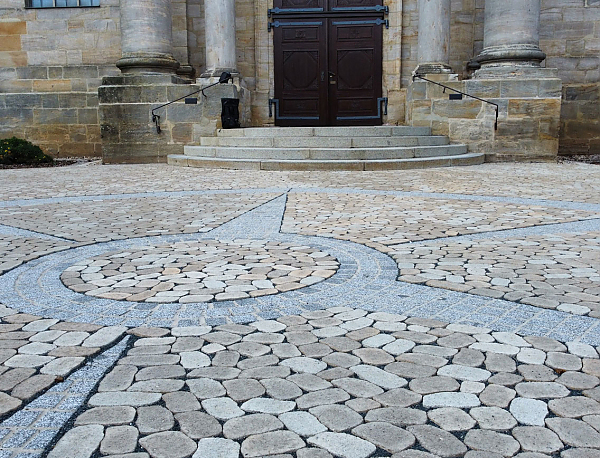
column 356, row 131
column 333, row 165
column 332, row 154
column 325, row 142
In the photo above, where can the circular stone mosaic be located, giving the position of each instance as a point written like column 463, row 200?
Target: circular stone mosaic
column 202, row 271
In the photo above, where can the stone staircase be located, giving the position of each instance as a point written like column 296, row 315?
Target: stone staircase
column 325, row 148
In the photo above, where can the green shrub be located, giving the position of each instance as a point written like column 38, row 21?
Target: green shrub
column 17, row 151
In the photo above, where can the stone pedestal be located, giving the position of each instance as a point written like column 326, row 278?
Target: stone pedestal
column 125, row 106
column 529, row 115
column 434, row 37
column 146, row 37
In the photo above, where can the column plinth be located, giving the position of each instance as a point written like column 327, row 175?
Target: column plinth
column 434, row 37
column 146, row 37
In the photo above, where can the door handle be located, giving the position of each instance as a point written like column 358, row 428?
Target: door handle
column 331, row 75
column 322, row 76
column 331, row 78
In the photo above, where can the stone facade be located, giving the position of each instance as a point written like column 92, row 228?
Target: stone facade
column 52, row 62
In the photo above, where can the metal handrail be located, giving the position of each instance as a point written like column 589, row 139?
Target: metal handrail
column 224, row 78
column 462, row 93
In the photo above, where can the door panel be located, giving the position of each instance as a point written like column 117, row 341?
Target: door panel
column 355, row 65
column 300, row 70
column 328, row 66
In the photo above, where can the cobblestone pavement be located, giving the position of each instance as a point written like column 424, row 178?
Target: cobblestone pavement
column 152, row 311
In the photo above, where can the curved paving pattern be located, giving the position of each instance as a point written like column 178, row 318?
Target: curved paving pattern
column 355, row 365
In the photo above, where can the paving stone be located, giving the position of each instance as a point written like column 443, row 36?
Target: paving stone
column 362, row 405
column 433, row 384
column 168, row 444
column 385, row 436
column 437, row 441
column 119, row 439
column 119, row 415
column 248, row 425
column 242, row 390
column 302, row 423
column 79, row 442
column 258, row 362
column 343, row 445
column 304, row 365
column 181, row 401
column 149, row 360
column 8, row 403
column 537, row 373
column 414, row 454
column 281, row 389
column 194, row 359
column 497, row 395
column 309, row 382
column 495, row 362
column 226, row 358
column 357, row 388
column 468, row 357
column 154, row 419
column 187, row 344
column 217, row 448
column 32, row 386
column 530, row 412
column 451, row 419
column 579, row 453
column 268, row 405
column 379, row 377
column 222, row 408
column 397, row 416
column 157, row 386
column 190, row 331
column 159, row 372
column 493, row 418
column 321, row 397
column 205, row 388
column 575, row 433
column 491, row 441
column 310, row 452
column 104, row 336
column 563, row 361
column 271, row 443
column 541, row 390
column 217, row 373
column 341, row 359
column 447, row 399
column 582, row 350
column 536, row 439
column 337, row 418
column 459, row 372
column 410, row 370
column 198, row 425
column 398, row 397
column 115, row 398
column 397, row 347
column 505, row 379
column 574, row 406
column 578, row 381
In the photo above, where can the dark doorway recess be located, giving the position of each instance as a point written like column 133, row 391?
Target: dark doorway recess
column 328, row 62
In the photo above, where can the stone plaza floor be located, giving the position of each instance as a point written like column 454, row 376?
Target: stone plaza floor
column 154, row 311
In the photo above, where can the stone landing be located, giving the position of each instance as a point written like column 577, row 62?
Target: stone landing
column 325, row 148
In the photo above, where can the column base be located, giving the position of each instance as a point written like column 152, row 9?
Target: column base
column 147, row 64
column 511, row 55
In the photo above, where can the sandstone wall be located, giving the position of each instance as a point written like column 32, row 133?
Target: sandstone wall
column 51, row 64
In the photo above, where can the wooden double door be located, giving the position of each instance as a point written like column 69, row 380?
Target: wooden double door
column 328, row 62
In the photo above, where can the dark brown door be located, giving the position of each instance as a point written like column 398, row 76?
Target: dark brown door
column 328, row 59
column 355, row 72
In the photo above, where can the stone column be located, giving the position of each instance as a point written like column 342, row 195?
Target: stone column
column 219, row 17
column 434, row 37
column 146, row 37
column 511, row 34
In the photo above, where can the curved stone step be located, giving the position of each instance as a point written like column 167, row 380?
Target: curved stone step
column 325, row 142
column 308, row 165
column 332, row 154
column 355, row 131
